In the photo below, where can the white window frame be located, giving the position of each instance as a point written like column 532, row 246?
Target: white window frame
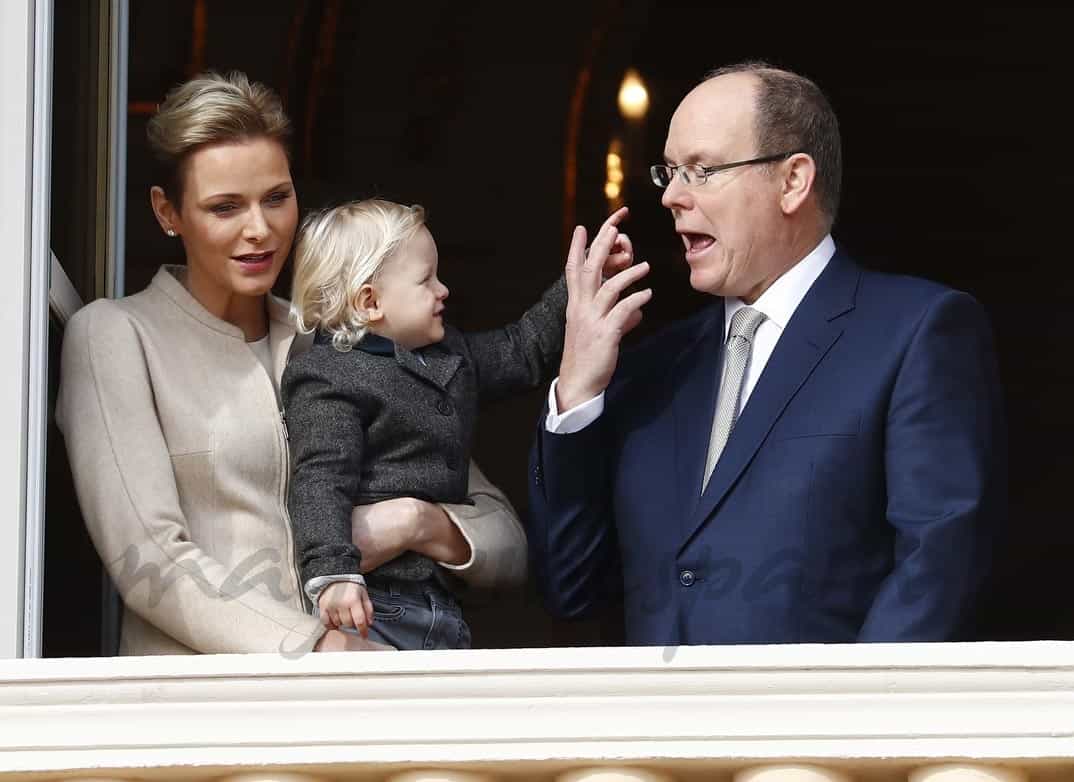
column 34, row 281
column 25, row 83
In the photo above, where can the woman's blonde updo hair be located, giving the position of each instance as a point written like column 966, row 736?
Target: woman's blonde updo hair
column 209, row 109
column 338, row 251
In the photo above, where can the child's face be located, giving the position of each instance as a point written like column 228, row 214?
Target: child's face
column 410, row 295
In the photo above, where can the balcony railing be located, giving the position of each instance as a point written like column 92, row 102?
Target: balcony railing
column 987, row 712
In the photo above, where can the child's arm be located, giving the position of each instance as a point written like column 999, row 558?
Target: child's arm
column 522, row 354
column 526, row 353
column 327, row 439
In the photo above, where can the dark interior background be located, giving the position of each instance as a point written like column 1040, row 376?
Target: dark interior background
column 497, row 118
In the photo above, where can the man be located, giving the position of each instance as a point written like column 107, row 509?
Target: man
column 818, row 456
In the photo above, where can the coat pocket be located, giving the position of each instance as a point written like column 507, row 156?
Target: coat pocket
column 195, row 481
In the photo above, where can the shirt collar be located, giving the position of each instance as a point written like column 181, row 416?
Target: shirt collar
column 782, row 298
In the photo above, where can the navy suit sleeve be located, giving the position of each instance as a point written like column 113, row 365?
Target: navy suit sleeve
column 573, row 546
column 946, row 471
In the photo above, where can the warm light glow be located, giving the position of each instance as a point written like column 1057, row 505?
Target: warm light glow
column 613, row 181
column 633, row 97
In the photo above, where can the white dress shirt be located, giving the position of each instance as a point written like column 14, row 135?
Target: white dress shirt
column 778, row 303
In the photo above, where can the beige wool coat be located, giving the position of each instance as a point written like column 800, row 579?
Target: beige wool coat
column 181, row 466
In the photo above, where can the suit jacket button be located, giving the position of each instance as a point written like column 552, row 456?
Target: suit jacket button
column 686, row 578
column 444, row 407
column 451, row 462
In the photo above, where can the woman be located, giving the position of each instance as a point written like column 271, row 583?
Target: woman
column 169, row 404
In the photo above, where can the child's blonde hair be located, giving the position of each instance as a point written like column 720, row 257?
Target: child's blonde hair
column 338, row 251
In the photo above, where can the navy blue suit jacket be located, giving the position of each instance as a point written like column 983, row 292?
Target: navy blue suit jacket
column 856, row 500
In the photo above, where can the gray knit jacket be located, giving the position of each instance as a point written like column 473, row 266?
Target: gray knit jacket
column 381, row 421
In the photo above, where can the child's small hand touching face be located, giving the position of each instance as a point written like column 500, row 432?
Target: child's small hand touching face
column 344, row 604
column 409, row 295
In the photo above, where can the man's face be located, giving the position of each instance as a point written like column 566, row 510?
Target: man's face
column 730, row 224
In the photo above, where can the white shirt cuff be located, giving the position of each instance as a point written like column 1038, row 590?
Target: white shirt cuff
column 574, row 420
column 318, row 584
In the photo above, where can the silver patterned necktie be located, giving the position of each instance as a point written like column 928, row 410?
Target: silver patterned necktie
column 736, row 357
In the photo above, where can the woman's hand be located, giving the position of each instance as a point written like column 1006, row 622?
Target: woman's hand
column 386, row 529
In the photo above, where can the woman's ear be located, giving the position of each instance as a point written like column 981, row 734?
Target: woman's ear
column 367, row 302
column 167, row 214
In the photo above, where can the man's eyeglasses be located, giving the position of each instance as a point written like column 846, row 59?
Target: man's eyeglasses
column 697, row 174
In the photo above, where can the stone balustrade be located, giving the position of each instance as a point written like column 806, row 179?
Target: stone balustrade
column 795, row 772
column 992, row 712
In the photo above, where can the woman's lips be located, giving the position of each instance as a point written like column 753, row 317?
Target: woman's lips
column 254, row 263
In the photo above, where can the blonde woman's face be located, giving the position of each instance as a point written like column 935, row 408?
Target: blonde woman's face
column 238, row 218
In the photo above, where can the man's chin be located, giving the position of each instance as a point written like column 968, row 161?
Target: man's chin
column 703, row 281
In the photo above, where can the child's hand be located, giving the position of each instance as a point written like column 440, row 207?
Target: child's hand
column 344, row 604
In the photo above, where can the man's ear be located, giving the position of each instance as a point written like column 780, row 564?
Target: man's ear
column 166, row 212
column 367, row 302
column 799, row 171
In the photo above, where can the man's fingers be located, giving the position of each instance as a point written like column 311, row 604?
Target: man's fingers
column 625, row 315
column 614, row 286
column 575, row 261
column 598, row 253
column 633, row 319
column 576, row 253
column 607, row 237
column 609, row 252
column 367, row 606
column 617, row 216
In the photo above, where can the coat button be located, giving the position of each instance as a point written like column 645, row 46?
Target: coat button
column 444, row 407
column 686, row 578
column 451, row 462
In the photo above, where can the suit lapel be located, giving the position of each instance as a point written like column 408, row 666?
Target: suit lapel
column 695, row 380
column 804, row 342
column 439, row 366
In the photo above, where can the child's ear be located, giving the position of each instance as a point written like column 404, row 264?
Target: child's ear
column 367, row 302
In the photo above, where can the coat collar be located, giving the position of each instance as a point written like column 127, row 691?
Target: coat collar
column 169, row 280
column 434, row 364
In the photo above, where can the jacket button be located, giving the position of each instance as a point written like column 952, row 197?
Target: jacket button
column 444, row 407
column 686, row 578
column 451, row 462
